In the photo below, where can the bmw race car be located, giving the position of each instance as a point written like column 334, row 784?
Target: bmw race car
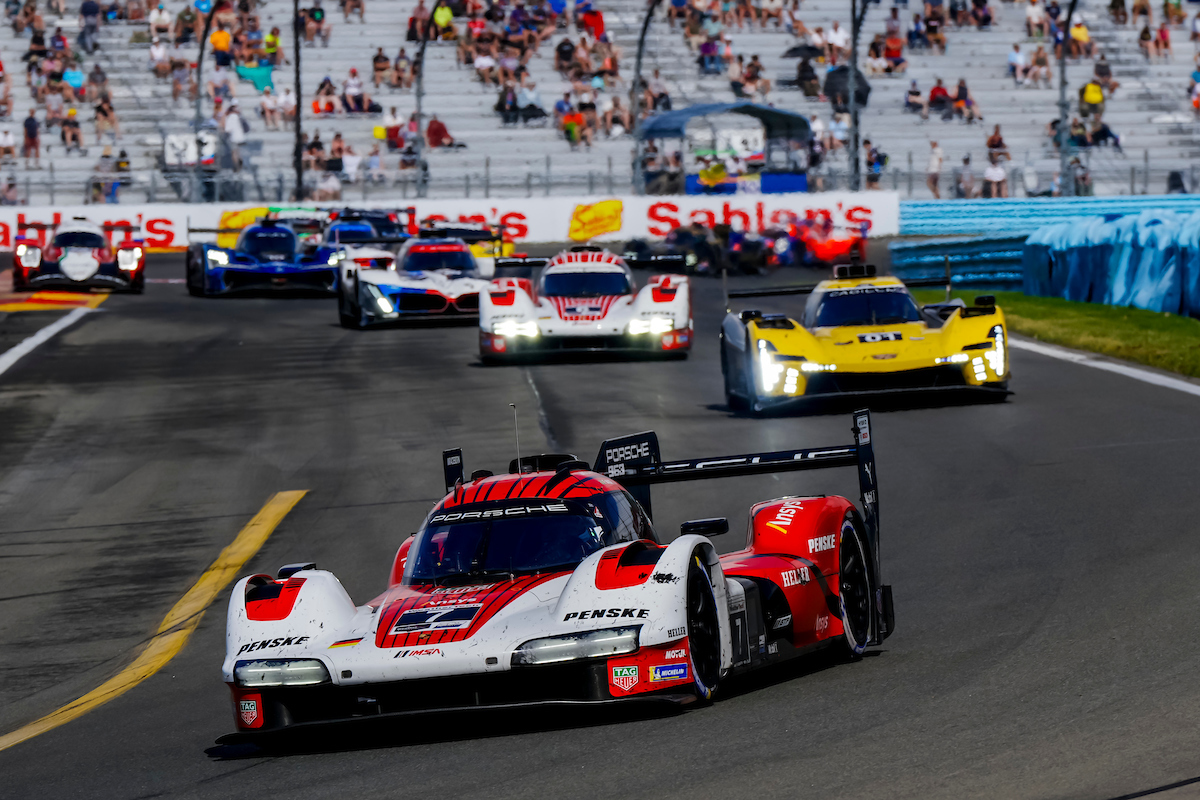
column 585, row 300
column 861, row 334
column 79, row 256
column 269, row 255
column 550, row 585
column 430, row 278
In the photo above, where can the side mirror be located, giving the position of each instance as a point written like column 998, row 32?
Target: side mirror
column 713, row 526
column 288, row 570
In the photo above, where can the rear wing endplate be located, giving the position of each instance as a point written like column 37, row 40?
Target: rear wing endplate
column 634, row 462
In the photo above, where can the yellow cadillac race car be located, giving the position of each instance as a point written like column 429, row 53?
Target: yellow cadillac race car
column 861, row 334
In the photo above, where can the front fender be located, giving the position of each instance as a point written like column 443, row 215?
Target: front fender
column 291, row 626
column 662, row 596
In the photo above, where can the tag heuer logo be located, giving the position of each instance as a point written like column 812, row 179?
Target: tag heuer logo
column 625, row 678
column 249, row 709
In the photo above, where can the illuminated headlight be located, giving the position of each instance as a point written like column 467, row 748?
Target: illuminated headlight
column 384, row 304
column 336, row 258
column 218, row 257
column 691, row 260
column 781, row 245
column 995, row 356
column 30, row 256
column 812, row 366
column 769, row 371
column 510, row 327
column 977, row 365
column 589, row 644
column 957, row 358
column 790, row 380
column 128, row 259
column 654, row 325
column 280, row 672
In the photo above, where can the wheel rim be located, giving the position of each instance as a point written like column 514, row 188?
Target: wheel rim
column 855, row 587
column 703, row 634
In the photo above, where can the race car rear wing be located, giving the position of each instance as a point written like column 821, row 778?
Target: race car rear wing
column 634, row 462
column 517, row 266
column 468, row 232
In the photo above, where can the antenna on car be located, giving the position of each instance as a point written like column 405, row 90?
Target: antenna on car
column 517, row 433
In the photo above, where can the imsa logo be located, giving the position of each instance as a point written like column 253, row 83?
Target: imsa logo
column 822, row 543
column 625, row 678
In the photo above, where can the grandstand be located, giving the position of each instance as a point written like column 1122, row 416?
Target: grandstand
column 1150, row 111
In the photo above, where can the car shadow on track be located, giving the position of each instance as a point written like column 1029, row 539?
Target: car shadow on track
column 578, row 357
column 436, row 727
column 464, row 725
column 842, row 404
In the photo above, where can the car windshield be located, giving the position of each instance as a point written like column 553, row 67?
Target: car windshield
column 420, row 260
column 269, row 243
column 80, row 239
column 585, row 284
column 349, row 234
column 866, row 305
column 509, row 539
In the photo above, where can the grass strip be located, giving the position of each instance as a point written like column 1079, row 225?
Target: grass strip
column 1165, row 341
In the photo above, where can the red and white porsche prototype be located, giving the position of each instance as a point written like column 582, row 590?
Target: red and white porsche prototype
column 585, row 300
column 549, row 585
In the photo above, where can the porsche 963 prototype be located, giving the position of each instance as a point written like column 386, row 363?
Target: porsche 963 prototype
column 550, row 585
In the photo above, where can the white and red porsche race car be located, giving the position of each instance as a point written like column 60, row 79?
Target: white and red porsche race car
column 585, row 300
column 549, row 585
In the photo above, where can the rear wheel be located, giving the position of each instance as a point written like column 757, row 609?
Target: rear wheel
column 854, row 584
column 704, row 632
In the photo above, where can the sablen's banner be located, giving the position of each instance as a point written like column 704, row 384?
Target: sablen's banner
column 525, row 219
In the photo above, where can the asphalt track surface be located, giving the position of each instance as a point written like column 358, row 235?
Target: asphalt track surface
column 1043, row 552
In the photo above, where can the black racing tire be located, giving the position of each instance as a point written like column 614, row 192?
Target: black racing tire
column 347, row 316
column 138, row 286
column 704, row 631
column 855, row 589
column 735, row 401
column 194, row 270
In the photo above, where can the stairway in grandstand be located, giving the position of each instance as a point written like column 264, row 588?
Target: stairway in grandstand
column 1150, row 111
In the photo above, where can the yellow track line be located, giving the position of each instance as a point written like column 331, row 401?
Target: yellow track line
column 177, row 626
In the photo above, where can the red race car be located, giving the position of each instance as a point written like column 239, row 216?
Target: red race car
column 549, row 585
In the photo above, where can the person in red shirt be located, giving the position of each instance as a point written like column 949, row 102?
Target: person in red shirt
column 436, row 134
column 939, row 99
column 893, row 51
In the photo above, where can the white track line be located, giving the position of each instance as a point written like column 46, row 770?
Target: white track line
column 1098, row 362
column 27, row 346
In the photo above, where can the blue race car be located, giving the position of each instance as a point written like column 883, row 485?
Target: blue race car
column 269, row 255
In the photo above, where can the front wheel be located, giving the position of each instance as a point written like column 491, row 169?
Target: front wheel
column 704, row 632
column 194, row 275
column 348, row 315
column 854, row 583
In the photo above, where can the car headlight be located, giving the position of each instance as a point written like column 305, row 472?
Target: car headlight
column 781, row 245
column 128, row 259
column 30, row 256
column 218, row 257
column 510, row 327
column 280, row 672
column 769, row 371
column 995, row 356
column 336, row 258
column 654, row 325
column 812, row 366
column 957, row 358
column 588, row 644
